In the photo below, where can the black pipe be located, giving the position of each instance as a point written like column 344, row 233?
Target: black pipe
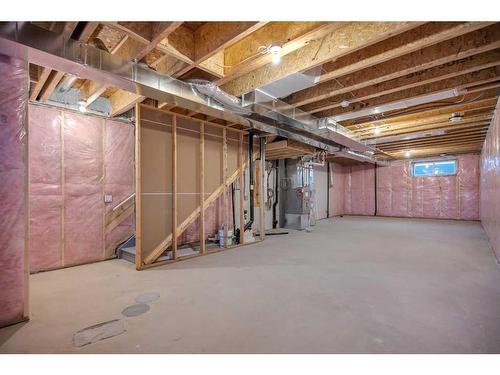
column 232, row 204
column 376, row 208
column 328, row 189
column 251, row 179
column 276, row 192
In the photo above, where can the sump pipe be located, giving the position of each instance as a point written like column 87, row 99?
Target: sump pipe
column 251, row 179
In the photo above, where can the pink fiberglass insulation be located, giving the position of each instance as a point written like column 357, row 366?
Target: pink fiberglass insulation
column 13, row 110
column 46, row 195
column 83, row 190
column 490, row 183
column 438, row 197
column 360, row 189
column 118, row 177
column 337, row 188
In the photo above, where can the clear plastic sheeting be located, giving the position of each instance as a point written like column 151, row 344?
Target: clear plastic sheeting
column 13, row 109
column 46, row 192
column 118, row 178
column 359, row 189
column 74, row 160
column 440, row 197
column 490, row 183
column 336, row 191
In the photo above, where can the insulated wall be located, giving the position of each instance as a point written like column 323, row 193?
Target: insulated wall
column 336, row 190
column 74, row 161
column 13, row 172
column 441, row 197
column 490, row 183
column 359, row 196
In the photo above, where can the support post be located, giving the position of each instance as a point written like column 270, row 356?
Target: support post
column 174, row 187
column 224, row 178
column 202, row 188
column 138, row 196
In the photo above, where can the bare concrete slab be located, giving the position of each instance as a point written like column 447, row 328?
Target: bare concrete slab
column 354, row 285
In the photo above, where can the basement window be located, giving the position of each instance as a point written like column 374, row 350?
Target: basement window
column 434, row 168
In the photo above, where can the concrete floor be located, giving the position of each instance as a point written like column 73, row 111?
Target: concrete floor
column 354, row 285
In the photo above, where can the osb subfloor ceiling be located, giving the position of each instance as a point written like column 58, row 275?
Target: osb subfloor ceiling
column 364, row 65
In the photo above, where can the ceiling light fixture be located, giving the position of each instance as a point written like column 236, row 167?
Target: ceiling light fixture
column 82, row 106
column 344, row 103
column 408, row 153
column 456, row 117
column 377, row 130
column 275, row 51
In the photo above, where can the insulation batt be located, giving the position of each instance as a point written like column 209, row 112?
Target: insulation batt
column 490, row 183
column 75, row 159
column 13, row 109
column 399, row 194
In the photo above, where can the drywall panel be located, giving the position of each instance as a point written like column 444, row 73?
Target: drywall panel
column 13, row 188
column 490, row 183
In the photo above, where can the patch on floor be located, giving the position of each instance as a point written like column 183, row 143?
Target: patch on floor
column 98, row 332
column 135, row 310
column 147, row 297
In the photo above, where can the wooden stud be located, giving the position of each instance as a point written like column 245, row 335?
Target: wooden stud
column 202, row 188
column 63, row 191
column 138, row 189
column 103, row 145
column 174, row 187
column 224, row 178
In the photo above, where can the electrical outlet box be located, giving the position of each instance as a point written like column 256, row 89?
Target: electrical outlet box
column 108, row 198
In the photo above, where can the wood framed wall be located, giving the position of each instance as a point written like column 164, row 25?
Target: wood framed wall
column 184, row 166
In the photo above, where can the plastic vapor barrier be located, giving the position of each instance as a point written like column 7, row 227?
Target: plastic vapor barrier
column 13, row 255
column 490, row 183
column 443, row 197
column 74, row 161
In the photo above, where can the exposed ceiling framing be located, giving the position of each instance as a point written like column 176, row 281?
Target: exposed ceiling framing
column 363, row 65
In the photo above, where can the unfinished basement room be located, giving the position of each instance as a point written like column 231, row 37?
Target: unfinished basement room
column 249, row 187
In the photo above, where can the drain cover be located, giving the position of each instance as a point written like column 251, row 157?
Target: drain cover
column 135, row 310
column 147, row 297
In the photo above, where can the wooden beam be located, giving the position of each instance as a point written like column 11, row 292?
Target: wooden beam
column 87, row 31
column 54, row 78
column 346, row 39
column 441, row 54
column 436, row 74
column 190, row 219
column 244, row 57
column 462, row 82
column 160, row 31
column 121, row 101
column 213, row 37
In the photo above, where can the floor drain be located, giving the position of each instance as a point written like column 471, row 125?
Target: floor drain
column 147, row 297
column 135, row 310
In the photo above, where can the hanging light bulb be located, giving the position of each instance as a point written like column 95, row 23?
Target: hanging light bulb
column 377, row 130
column 82, row 106
column 408, row 153
column 275, row 51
